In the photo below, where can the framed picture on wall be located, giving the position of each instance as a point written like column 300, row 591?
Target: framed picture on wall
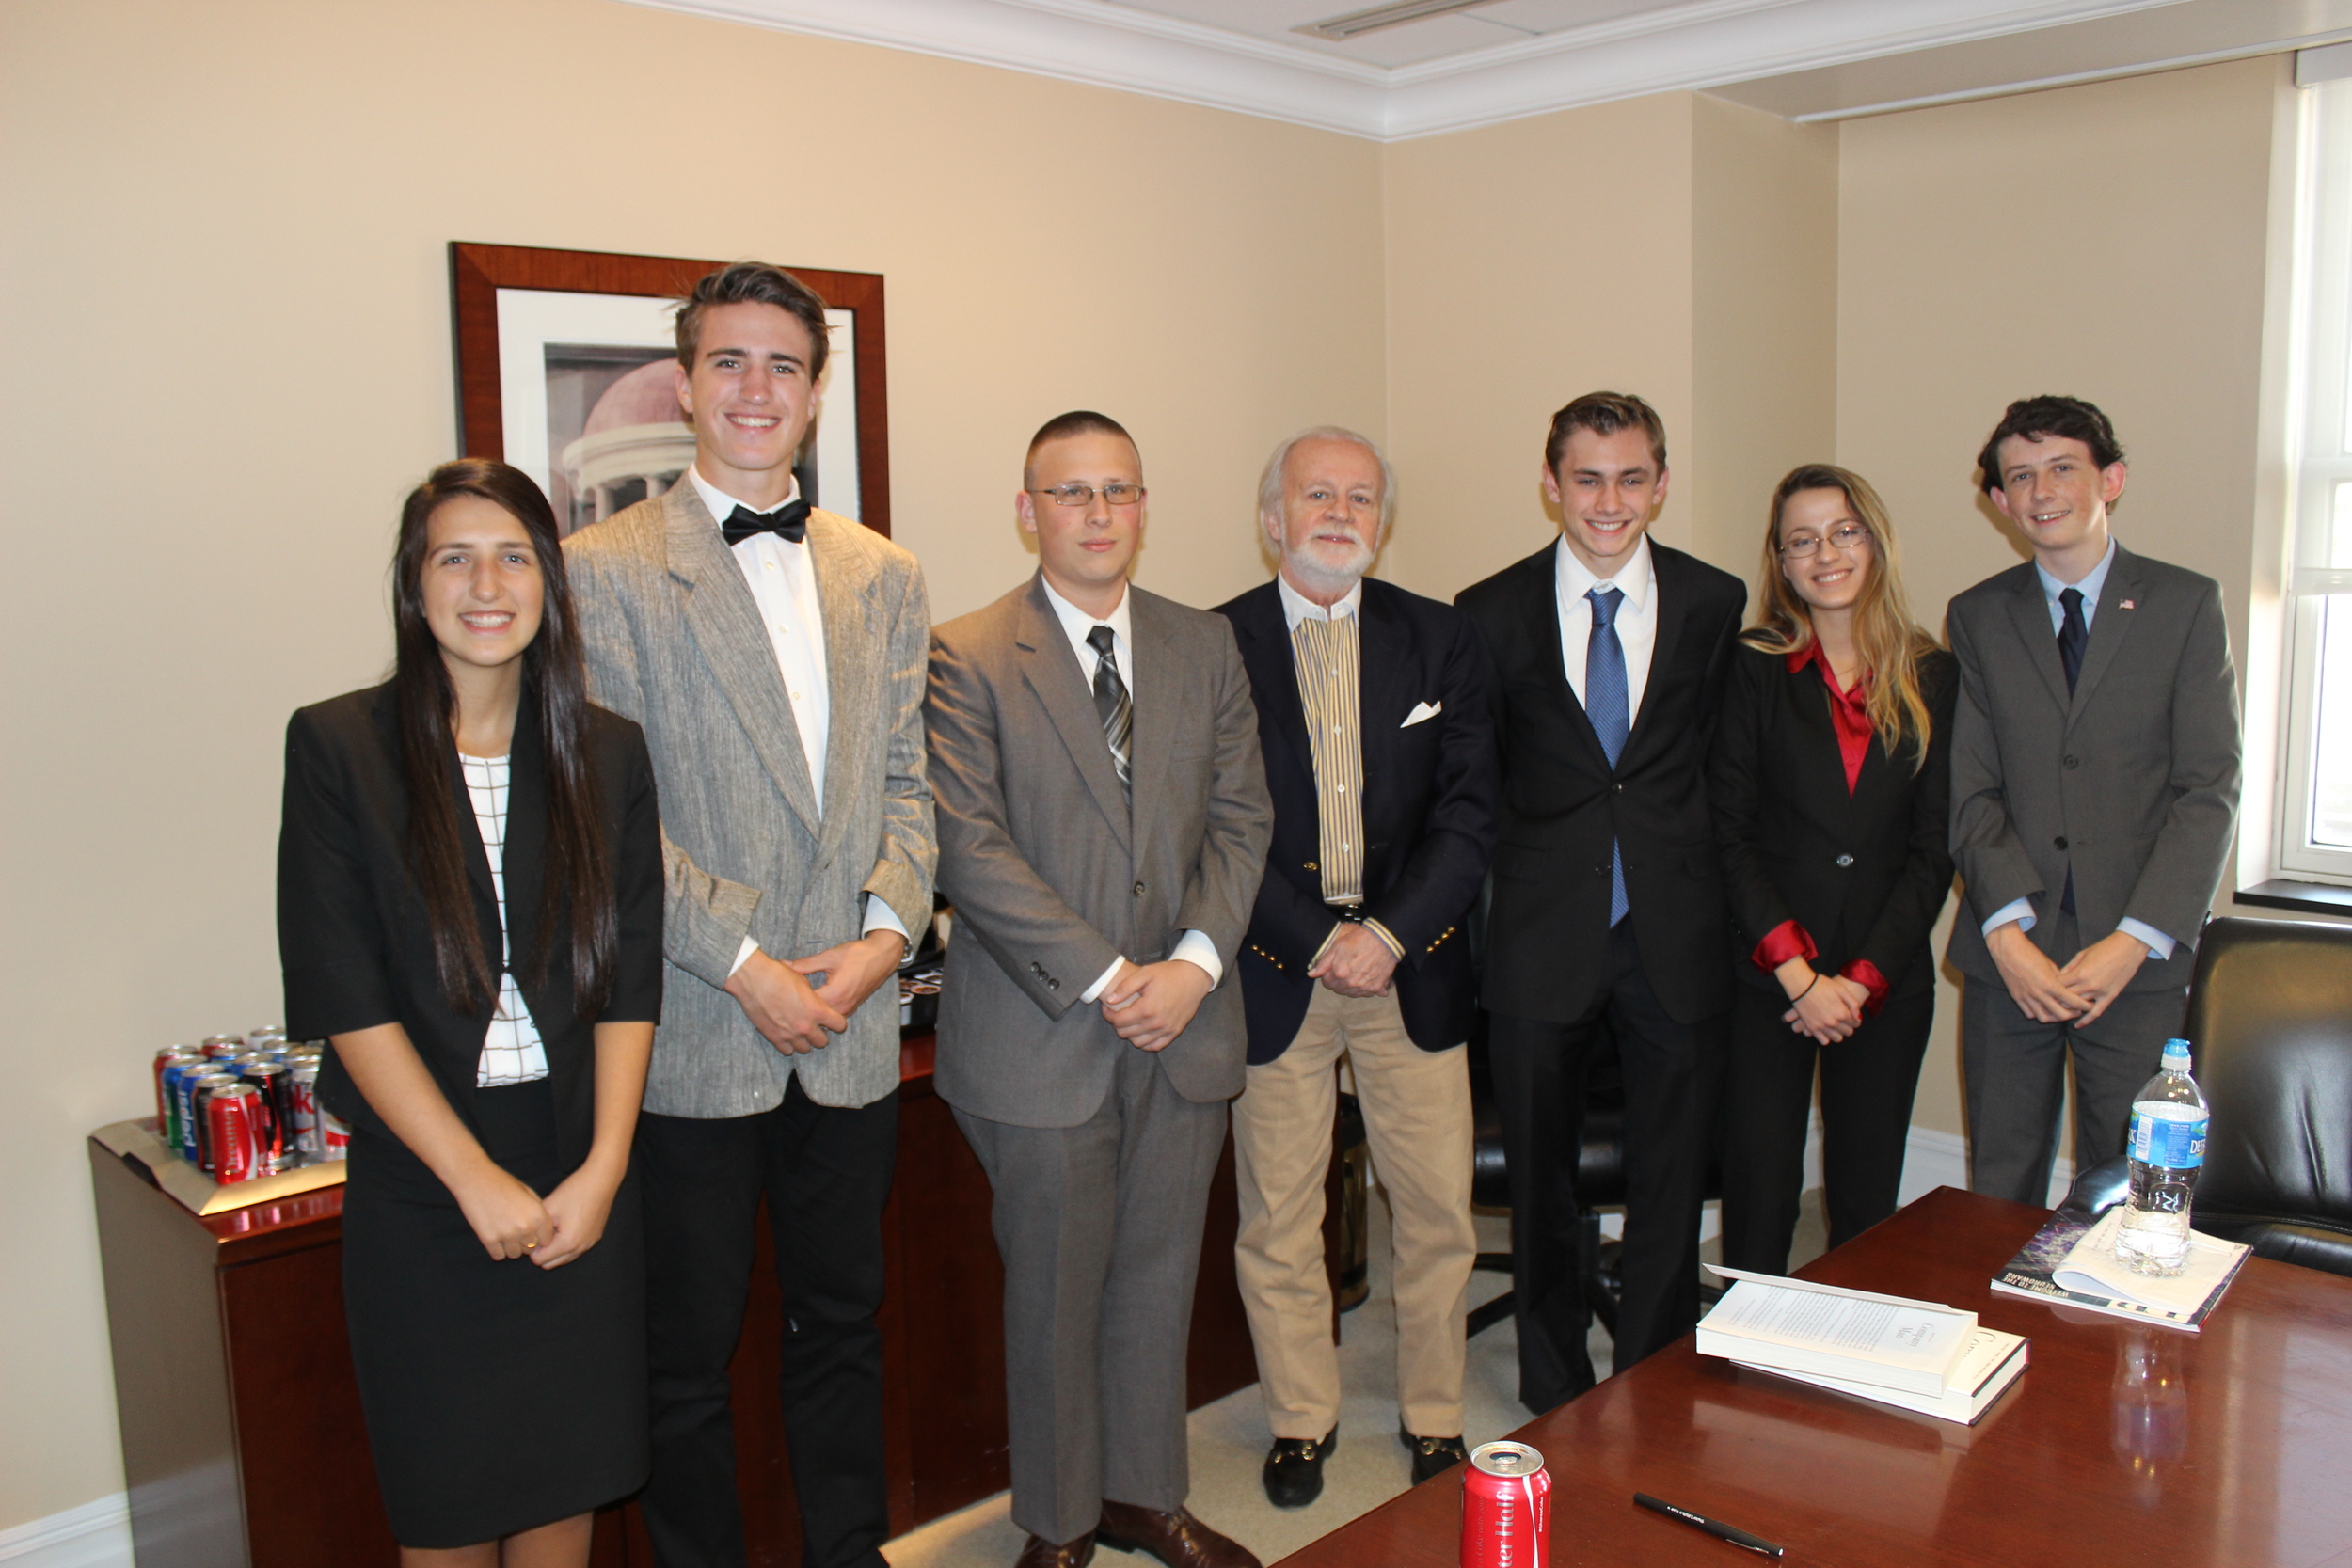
column 564, row 364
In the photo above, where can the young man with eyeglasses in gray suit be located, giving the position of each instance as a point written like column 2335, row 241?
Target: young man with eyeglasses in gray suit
column 773, row 654
column 2094, row 789
column 1104, row 821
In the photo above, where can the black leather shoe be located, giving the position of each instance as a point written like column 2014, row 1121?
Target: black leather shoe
column 1293, row 1469
column 1433, row 1456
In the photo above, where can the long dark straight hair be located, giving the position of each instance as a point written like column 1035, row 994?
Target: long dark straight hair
column 578, row 872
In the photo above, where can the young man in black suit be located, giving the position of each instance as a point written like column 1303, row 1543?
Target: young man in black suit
column 1606, row 655
column 1379, row 754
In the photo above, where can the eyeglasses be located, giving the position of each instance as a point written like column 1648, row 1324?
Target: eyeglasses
column 1849, row 539
column 1117, row 493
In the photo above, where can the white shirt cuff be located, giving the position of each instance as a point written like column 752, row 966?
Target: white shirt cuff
column 880, row 916
column 743, row 955
column 2019, row 909
column 2159, row 945
column 1100, row 981
column 1199, row 951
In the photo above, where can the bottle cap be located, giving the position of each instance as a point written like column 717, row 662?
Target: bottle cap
column 2176, row 1050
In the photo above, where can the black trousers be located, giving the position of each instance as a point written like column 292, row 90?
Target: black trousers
column 1670, row 1079
column 825, row 1172
column 1868, row 1083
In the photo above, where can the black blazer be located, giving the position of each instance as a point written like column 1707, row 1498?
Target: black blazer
column 351, row 934
column 1547, row 948
column 1429, row 812
column 1865, row 873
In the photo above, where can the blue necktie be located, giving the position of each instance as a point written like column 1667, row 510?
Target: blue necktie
column 1608, row 705
column 2073, row 638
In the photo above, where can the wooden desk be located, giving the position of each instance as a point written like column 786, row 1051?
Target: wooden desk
column 242, row 1439
column 2122, row 1443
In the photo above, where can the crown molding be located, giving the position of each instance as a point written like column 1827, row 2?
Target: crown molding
column 1706, row 43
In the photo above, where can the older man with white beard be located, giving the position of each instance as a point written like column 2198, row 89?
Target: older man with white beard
column 1379, row 755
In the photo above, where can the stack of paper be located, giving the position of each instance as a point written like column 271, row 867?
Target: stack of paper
column 1914, row 1354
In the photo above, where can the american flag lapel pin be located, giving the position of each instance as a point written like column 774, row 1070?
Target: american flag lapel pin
column 2128, row 605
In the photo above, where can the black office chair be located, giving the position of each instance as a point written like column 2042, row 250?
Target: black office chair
column 2270, row 1021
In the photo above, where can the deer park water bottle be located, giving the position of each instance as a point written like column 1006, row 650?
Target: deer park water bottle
column 2168, row 1148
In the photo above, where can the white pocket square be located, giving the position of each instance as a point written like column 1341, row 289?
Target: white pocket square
column 1422, row 711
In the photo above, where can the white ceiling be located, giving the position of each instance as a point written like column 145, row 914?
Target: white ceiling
column 1504, row 59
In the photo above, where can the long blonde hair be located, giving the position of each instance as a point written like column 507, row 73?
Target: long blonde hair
column 1889, row 640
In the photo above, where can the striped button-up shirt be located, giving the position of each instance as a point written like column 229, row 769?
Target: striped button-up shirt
column 1327, row 653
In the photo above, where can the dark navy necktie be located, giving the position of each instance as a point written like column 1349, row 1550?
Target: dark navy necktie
column 789, row 521
column 2074, row 636
column 1608, row 703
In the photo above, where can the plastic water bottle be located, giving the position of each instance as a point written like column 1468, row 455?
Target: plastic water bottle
column 2168, row 1148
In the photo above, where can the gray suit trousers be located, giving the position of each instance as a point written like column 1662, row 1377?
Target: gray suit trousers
column 2016, row 1072
column 1099, row 1226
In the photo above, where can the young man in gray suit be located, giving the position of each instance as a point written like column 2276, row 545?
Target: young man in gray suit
column 2094, row 788
column 774, row 655
column 1104, row 822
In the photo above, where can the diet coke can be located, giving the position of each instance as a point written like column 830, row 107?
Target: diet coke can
column 1506, row 1508
column 302, row 1074
column 234, row 1119
column 334, row 1137
column 276, row 1088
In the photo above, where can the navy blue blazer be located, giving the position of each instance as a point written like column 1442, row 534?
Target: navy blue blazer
column 1430, row 812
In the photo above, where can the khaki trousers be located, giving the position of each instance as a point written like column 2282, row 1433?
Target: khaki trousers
column 1417, row 1115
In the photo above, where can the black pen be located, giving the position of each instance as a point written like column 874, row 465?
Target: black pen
column 1715, row 1527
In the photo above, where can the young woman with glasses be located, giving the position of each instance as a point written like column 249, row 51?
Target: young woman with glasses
column 1830, row 782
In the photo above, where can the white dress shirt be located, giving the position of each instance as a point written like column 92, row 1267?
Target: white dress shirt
column 782, row 580
column 2093, row 583
column 511, row 1052
column 1194, row 947
column 1636, row 622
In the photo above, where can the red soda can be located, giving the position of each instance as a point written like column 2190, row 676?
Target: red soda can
column 272, row 1081
column 1506, row 1508
column 200, row 1090
column 302, row 1076
column 234, row 1118
column 166, row 1113
column 223, row 1047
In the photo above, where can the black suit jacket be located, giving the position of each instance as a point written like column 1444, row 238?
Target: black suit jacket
column 1429, row 812
column 1865, row 873
column 351, row 934
column 1563, row 804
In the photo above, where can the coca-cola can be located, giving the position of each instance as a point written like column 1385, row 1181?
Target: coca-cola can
column 276, row 1086
column 334, row 1137
column 1506, row 1508
column 234, row 1118
column 167, row 1107
column 219, row 1047
column 302, row 1080
column 203, row 1087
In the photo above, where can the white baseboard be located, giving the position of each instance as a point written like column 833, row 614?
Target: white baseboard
column 95, row 1535
column 1932, row 1160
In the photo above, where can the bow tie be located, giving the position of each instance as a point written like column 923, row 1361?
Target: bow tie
column 789, row 521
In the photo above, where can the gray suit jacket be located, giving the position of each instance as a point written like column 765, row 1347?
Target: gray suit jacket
column 2133, row 781
column 1051, row 877
column 673, row 640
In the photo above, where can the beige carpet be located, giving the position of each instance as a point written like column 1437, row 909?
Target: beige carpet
column 1369, row 1467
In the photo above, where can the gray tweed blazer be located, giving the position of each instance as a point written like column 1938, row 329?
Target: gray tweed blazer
column 674, row 640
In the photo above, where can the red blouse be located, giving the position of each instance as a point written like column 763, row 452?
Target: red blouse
column 1851, row 718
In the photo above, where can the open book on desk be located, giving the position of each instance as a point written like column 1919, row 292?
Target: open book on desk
column 1794, row 1325
column 2072, row 1262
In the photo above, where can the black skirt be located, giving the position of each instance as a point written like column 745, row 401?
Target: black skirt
column 500, row 1396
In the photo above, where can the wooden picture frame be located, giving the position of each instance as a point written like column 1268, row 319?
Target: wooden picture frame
column 485, row 405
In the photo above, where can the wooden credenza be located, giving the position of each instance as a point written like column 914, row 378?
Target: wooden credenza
column 242, row 1439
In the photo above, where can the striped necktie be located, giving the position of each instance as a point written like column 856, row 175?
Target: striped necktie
column 1111, row 702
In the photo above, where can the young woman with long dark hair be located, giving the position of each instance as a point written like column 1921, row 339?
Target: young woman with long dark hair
column 469, row 912
column 1830, row 784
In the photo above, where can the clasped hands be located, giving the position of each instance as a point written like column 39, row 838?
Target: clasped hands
column 2078, row 992
column 1355, row 962
column 1149, row 1004
column 795, row 1015
column 1825, row 1009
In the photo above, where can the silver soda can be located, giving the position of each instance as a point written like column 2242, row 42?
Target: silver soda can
column 302, row 1077
column 334, row 1137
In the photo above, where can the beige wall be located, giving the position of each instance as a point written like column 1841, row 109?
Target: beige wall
column 225, row 304
column 2105, row 240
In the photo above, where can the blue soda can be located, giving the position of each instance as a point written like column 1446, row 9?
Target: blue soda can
column 180, row 1087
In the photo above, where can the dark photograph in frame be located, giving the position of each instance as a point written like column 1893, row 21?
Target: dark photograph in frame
column 564, row 364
